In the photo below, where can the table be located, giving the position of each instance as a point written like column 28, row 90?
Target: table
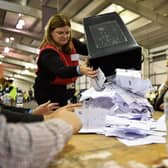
column 99, row 151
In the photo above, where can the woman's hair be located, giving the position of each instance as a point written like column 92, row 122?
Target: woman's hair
column 58, row 20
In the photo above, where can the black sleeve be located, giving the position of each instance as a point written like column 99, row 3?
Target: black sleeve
column 50, row 63
column 15, row 109
column 15, row 117
column 16, row 114
column 80, row 47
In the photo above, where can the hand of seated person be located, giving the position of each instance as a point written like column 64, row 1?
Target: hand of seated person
column 45, row 108
column 69, row 107
column 67, row 116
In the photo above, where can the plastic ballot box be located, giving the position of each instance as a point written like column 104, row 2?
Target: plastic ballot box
column 110, row 44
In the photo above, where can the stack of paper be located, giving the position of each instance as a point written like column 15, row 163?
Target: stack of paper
column 122, row 112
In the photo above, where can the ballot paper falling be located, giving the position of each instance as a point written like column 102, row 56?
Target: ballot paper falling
column 98, row 81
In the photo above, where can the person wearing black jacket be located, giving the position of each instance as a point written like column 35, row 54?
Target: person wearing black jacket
column 14, row 117
column 40, row 113
column 58, row 63
column 18, row 114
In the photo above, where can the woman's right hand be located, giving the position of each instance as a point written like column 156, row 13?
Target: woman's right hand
column 88, row 71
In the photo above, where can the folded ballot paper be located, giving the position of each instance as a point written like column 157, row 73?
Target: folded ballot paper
column 120, row 110
column 98, row 81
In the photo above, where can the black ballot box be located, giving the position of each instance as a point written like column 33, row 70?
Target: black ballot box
column 110, row 44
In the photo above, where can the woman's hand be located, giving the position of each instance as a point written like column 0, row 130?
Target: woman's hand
column 84, row 69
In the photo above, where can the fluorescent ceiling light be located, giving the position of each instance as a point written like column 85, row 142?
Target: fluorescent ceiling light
column 12, row 38
column 20, row 24
column 6, row 49
column 82, row 39
column 7, row 40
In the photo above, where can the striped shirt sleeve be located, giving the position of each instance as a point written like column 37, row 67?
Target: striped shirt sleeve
column 32, row 145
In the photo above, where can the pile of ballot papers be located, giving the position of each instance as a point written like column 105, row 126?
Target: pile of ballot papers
column 121, row 110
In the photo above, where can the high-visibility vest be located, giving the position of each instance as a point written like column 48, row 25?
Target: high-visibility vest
column 13, row 93
column 66, row 59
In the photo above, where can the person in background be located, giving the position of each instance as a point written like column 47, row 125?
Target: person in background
column 30, row 94
column 58, row 63
column 10, row 89
column 34, row 145
column 159, row 101
column 25, row 96
column 158, row 105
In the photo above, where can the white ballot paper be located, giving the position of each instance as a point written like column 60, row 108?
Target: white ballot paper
column 131, row 80
column 98, row 81
column 121, row 110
